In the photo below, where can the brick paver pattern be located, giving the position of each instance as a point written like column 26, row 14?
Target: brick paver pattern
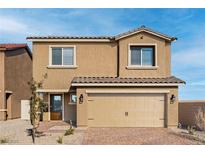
column 139, row 136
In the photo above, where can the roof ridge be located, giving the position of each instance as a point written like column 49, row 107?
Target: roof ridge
column 111, row 37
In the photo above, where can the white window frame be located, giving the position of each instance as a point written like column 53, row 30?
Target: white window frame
column 70, row 102
column 62, row 66
column 130, row 66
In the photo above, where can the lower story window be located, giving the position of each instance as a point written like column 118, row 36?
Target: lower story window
column 73, row 98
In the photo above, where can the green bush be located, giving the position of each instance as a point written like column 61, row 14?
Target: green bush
column 4, row 140
column 60, row 140
column 191, row 130
column 69, row 131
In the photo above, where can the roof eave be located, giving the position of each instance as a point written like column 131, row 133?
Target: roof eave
column 68, row 40
column 167, row 38
column 125, row 85
column 23, row 47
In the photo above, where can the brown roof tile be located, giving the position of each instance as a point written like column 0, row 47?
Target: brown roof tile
column 143, row 28
column 70, row 37
column 12, row 46
column 105, row 37
column 118, row 80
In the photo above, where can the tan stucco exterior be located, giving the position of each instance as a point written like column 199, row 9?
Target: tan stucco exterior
column 97, row 59
column 162, row 56
column 2, row 85
column 17, row 66
column 93, row 59
column 100, row 59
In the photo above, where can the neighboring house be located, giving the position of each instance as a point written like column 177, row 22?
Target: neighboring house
column 119, row 81
column 15, row 73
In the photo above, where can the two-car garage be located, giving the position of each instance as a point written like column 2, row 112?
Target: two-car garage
column 127, row 102
column 126, row 109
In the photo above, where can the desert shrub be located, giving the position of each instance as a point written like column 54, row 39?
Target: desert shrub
column 60, row 140
column 69, row 131
column 200, row 119
column 191, row 130
column 4, row 140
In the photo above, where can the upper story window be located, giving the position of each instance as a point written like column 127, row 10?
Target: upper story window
column 141, row 56
column 62, row 56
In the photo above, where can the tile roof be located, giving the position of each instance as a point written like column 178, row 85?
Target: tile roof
column 106, row 37
column 71, row 37
column 118, row 80
column 12, row 46
column 143, row 28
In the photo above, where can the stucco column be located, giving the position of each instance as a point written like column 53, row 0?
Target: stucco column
column 172, row 108
column 81, row 108
column 2, row 86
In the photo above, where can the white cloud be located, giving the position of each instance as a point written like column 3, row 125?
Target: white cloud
column 192, row 52
column 190, row 57
column 188, row 63
column 11, row 25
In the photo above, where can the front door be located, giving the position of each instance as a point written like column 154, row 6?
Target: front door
column 56, row 106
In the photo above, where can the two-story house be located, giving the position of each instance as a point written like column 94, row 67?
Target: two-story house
column 118, row 81
column 15, row 73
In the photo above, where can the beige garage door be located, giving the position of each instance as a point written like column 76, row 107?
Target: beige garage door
column 126, row 110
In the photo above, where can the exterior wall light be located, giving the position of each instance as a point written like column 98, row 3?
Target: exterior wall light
column 81, row 99
column 172, row 99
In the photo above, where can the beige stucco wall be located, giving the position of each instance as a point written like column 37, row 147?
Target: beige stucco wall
column 18, row 72
column 171, row 110
column 2, row 96
column 100, row 59
column 187, row 111
column 93, row 59
column 163, row 56
column 69, row 109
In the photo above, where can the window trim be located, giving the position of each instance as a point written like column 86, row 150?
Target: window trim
column 130, row 66
column 62, row 66
column 70, row 102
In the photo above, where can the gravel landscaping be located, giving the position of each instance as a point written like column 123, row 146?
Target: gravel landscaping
column 14, row 132
column 197, row 135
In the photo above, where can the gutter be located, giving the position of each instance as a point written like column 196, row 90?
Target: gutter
column 125, row 84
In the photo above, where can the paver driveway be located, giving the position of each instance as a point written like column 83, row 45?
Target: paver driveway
column 134, row 136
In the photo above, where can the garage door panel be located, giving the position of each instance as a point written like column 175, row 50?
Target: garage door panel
column 126, row 110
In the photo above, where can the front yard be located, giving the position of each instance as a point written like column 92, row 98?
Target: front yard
column 15, row 132
column 136, row 136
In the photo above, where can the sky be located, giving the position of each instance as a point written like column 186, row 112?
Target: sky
column 188, row 25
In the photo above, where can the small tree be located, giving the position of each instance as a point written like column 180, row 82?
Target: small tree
column 200, row 119
column 36, row 104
